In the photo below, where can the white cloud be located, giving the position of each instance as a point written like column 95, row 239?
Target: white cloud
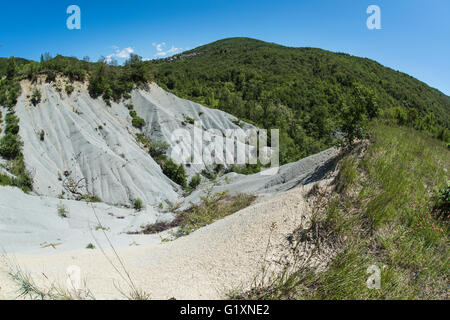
column 162, row 52
column 121, row 54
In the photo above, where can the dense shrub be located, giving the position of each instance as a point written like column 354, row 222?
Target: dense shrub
column 22, row 177
column 137, row 204
column 69, row 89
column 143, row 139
column 138, row 122
column 12, row 124
column 195, row 181
column 175, row 172
column 10, row 146
column 443, row 200
column 24, row 180
column 6, row 180
column 9, row 92
column 158, row 149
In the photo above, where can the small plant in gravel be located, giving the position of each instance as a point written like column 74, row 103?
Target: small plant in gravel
column 90, row 246
column 62, row 210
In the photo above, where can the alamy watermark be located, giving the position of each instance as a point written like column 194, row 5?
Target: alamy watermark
column 74, row 20
column 73, row 281
column 374, row 20
column 200, row 146
column 374, row 280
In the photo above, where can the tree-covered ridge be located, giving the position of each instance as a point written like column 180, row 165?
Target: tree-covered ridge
column 303, row 91
column 298, row 77
column 4, row 64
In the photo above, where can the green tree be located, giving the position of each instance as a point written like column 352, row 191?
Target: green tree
column 413, row 115
column 10, row 146
column 97, row 84
column 175, row 172
column 11, row 68
column 354, row 122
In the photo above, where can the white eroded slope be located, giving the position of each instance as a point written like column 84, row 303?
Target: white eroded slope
column 86, row 139
column 165, row 113
column 34, row 224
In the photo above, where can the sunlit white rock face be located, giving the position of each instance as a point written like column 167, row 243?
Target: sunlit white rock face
column 85, row 140
column 170, row 119
column 90, row 143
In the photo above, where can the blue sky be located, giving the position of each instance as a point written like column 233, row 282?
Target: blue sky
column 415, row 34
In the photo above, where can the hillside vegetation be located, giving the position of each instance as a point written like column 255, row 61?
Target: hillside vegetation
column 309, row 94
column 390, row 209
column 304, row 91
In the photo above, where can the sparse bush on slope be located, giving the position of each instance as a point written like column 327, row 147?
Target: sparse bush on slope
column 9, row 92
column 195, row 182
column 137, row 204
column 69, row 89
column 138, row 122
column 175, row 172
column 11, row 143
column 158, row 149
column 443, row 201
column 35, row 97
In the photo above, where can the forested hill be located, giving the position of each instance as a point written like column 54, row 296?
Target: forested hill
column 301, row 89
column 4, row 64
column 308, row 93
column 299, row 78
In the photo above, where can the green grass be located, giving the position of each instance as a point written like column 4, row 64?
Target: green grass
column 22, row 178
column 383, row 212
column 6, row 180
column 214, row 207
column 90, row 198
